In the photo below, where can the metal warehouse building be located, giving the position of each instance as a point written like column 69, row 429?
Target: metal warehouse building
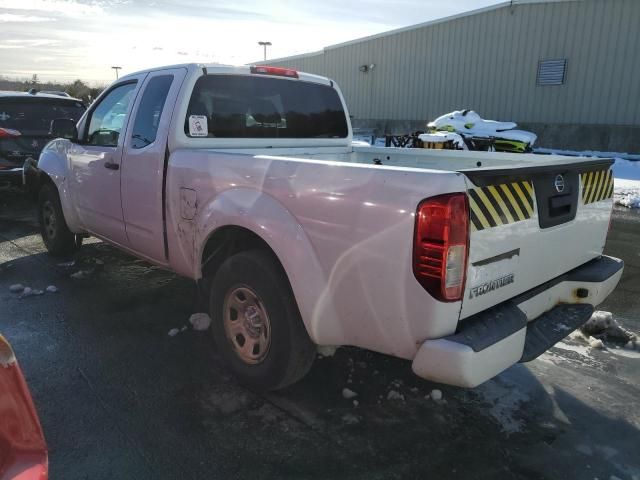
column 567, row 69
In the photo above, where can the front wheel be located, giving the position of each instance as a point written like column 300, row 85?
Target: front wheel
column 256, row 324
column 56, row 235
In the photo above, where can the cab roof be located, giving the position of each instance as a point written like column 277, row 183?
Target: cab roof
column 222, row 68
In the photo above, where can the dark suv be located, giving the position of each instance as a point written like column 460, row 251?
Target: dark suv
column 25, row 122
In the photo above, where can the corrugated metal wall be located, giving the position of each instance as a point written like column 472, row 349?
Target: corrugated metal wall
column 489, row 61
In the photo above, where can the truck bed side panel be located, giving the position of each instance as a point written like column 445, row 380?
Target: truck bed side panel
column 357, row 287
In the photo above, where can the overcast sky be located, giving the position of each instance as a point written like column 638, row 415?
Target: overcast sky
column 69, row 39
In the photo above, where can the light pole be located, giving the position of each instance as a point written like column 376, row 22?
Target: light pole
column 265, row 45
column 116, row 69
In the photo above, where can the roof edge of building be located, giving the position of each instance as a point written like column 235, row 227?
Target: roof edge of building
column 489, row 8
column 290, row 57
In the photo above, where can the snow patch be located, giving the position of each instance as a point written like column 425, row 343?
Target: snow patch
column 602, row 325
column 626, row 352
column 395, row 395
column 348, row 393
column 587, row 153
column 579, row 349
column 30, row 292
column 327, row 350
column 350, row 419
column 200, row 321
column 436, row 395
column 626, row 190
column 628, row 199
column 80, row 274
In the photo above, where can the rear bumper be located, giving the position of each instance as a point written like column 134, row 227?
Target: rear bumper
column 520, row 329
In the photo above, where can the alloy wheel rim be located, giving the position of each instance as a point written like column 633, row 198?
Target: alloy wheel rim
column 246, row 324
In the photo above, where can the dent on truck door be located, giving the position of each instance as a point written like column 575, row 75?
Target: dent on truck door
column 95, row 163
column 143, row 162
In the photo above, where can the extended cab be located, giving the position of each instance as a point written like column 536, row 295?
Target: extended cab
column 246, row 180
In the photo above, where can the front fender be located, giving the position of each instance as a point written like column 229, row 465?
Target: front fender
column 270, row 220
column 54, row 162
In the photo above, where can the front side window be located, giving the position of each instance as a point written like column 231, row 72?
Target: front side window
column 147, row 120
column 107, row 120
column 242, row 106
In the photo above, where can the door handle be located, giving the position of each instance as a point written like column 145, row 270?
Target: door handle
column 111, row 166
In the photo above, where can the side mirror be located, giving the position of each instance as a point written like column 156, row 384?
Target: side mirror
column 63, row 128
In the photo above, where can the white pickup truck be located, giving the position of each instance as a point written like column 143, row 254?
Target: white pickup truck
column 246, row 180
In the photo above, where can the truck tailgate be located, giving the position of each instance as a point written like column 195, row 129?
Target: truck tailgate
column 531, row 224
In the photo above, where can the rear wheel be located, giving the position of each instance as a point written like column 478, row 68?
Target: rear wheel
column 56, row 235
column 256, row 324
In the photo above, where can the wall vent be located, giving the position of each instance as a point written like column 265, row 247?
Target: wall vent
column 552, row 72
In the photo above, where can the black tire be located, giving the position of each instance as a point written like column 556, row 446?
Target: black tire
column 55, row 233
column 291, row 352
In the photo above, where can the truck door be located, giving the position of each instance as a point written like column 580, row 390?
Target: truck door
column 143, row 163
column 95, row 162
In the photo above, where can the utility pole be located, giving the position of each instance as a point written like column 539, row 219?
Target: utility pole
column 116, row 69
column 265, row 45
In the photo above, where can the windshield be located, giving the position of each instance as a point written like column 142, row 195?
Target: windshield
column 33, row 115
column 239, row 106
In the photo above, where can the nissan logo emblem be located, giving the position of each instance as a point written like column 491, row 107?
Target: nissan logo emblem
column 559, row 183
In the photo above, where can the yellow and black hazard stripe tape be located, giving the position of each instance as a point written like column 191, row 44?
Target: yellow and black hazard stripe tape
column 502, row 204
column 596, row 186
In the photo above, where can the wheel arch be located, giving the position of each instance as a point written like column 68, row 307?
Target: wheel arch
column 53, row 167
column 227, row 241
column 242, row 220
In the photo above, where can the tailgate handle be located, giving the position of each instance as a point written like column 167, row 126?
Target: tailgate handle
column 560, row 205
column 561, row 201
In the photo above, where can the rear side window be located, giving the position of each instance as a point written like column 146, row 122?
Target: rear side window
column 145, row 127
column 236, row 106
column 33, row 115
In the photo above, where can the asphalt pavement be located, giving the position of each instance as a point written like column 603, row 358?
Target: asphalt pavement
column 119, row 398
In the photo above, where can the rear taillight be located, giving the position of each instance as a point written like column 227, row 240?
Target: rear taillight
column 9, row 133
column 277, row 71
column 441, row 245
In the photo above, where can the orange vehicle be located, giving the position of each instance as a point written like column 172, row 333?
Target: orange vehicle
column 23, row 450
